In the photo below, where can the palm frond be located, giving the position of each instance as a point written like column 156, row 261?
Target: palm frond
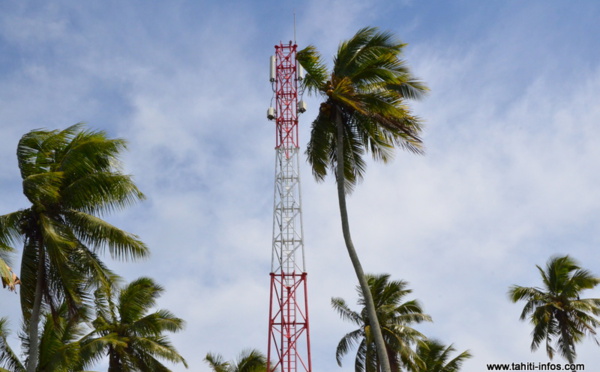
column 136, row 298
column 156, row 323
column 33, row 157
column 345, row 312
column 347, row 343
column 160, row 347
column 59, row 345
column 349, row 53
column 316, row 70
column 216, row 362
column 320, row 147
column 250, row 360
column 92, row 347
column 101, row 193
column 97, row 233
column 11, row 231
column 43, row 189
column 29, row 275
column 8, row 358
column 366, row 95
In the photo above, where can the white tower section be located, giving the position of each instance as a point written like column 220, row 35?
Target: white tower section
column 288, row 236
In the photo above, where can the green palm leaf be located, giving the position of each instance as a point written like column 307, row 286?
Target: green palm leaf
column 8, row 358
column 97, row 233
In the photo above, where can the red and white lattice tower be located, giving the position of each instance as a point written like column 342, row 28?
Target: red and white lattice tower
column 289, row 340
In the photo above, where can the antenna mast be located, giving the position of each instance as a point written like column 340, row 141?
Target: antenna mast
column 289, row 341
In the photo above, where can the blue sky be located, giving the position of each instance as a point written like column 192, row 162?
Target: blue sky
column 510, row 177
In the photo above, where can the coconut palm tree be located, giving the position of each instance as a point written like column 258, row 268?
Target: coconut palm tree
column 556, row 310
column 250, row 360
column 436, row 357
column 363, row 110
column 128, row 333
column 395, row 319
column 71, row 177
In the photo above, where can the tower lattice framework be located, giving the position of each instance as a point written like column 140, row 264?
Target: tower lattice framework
column 289, row 337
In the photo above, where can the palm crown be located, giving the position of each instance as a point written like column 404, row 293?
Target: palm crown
column 435, row 357
column 70, row 177
column 395, row 319
column 250, row 360
column 365, row 92
column 128, row 332
column 556, row 311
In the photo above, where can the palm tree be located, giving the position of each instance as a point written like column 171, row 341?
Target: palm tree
column 395, row 318
column 556, row 311
column 436, row 357
column 128, row 333
column 364, row 110
column 250, row 360
column 71, row 177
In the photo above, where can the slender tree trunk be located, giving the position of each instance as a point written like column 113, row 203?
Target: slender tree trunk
column 384, row 362
column 113, row 361
column 34, row 319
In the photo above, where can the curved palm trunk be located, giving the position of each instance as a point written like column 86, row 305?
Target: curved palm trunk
column 384, row 361
column 34, row 320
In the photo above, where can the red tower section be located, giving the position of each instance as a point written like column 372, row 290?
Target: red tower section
column 289, row 340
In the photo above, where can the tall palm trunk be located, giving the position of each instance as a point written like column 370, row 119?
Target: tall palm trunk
column 34, row 319
column 384, row 362
column 114, row 364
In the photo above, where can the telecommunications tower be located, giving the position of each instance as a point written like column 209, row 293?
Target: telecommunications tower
column 289, row 339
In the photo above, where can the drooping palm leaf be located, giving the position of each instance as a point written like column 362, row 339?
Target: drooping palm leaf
column 8, row 358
